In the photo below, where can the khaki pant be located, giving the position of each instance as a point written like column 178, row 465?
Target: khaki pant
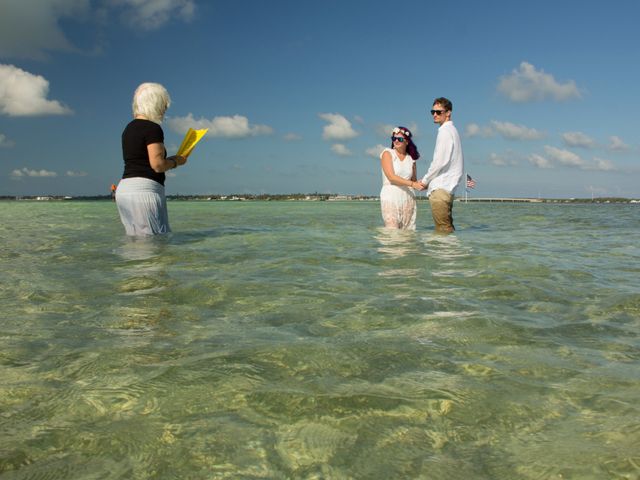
column 441, row 203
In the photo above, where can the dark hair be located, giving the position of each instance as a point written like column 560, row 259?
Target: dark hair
column 445, row 102
column 412, row 150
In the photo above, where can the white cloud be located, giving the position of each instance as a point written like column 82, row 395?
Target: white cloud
column 291, row 137
column 32, row 28
column 578, row 139
column 557, row 156
column 25, row 94
column 340, row 149
column 472, row 130
column 385, row 129
column 539, row 161
column 27, row 172
column 617, row 144
column 511, row 131
column 375, row 151
column 236, row 126
column 6, row 142
column 601, row 165
column 527, row 84
column 507, row 130
column 475, row 130
column 71, row 173
column 501, row 160
column 153, row 14
column 565, row 157
column 29, row 29
column 339, row 127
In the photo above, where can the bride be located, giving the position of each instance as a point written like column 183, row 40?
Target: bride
column 397, row 200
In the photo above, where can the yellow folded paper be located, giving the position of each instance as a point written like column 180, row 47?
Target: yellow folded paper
column 189, row 142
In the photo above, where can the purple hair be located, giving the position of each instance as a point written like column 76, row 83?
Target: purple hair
column 412, row 150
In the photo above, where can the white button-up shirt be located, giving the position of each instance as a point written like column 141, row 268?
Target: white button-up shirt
column 447, row 166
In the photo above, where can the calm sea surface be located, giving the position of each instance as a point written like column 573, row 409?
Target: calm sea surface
column 286, row 340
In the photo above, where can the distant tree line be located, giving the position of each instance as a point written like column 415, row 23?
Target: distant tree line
column 298, row 196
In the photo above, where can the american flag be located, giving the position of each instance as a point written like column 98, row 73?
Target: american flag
column 471, row 183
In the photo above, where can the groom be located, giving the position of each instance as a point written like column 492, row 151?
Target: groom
column 446, row 168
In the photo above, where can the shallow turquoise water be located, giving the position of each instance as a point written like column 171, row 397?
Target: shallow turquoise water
column 301, row 340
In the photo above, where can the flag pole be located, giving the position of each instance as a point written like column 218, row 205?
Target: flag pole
column 466, row 188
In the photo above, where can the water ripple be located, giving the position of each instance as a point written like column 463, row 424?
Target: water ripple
column 280, row 340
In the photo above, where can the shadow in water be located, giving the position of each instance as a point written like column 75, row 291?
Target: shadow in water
column 443, row 247
column 394, row 243
column 143, row 248
column 181, row 238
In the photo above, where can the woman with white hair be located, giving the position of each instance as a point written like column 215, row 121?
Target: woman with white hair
column 140, row 194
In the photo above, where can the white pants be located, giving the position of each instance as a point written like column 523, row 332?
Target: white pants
column 142, row 206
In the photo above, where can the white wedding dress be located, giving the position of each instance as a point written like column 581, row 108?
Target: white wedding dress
column 398, row 204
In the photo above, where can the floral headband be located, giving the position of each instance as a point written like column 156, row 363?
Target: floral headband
column 401, row 130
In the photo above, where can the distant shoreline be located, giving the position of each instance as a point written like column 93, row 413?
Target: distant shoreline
column 320, row 197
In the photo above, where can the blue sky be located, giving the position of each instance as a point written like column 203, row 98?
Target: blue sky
column 300, row 96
